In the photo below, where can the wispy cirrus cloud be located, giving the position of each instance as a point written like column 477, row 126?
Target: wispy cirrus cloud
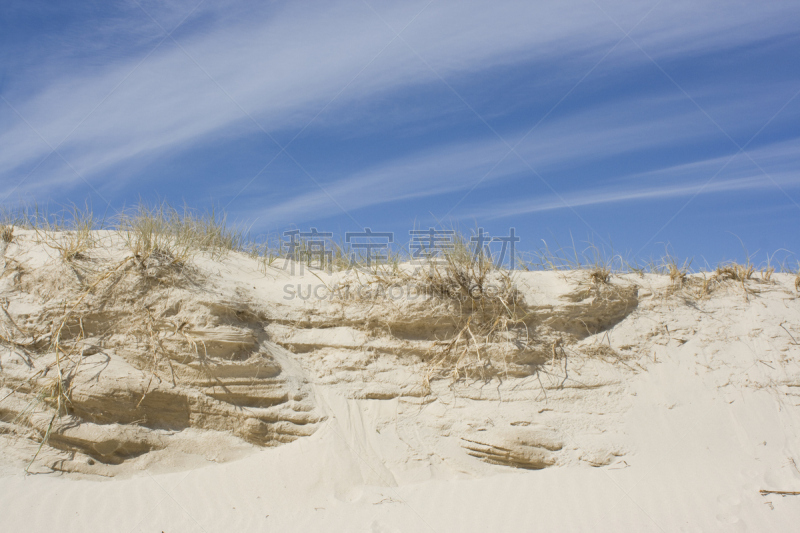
column 731, row 173
column 280, row 65
column 567, row 153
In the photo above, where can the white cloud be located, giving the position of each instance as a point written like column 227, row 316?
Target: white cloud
column 589, row 136
column 284, row 63
column 730, row 173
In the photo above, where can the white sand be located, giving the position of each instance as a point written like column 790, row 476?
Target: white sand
column 665, row 412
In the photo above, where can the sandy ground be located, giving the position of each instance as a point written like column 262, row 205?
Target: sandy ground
column 641, row 404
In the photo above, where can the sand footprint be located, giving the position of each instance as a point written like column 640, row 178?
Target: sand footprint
column 729, row 515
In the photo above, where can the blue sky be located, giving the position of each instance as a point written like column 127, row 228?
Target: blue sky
column 635, row 124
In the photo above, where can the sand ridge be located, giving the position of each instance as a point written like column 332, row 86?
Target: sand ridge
column 169, row 368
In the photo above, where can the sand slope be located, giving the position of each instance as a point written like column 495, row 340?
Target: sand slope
column 214, row 396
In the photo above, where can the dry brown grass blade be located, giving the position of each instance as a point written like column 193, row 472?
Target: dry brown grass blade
column 57, row 390
column 780, row 492
column 483, row 304
column 6, row 233
column 600, row 275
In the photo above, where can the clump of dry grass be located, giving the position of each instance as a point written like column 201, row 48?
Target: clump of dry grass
column 6, row 233
column 735, row 272
column 729, row 272
column 163, row 231
column 600, row 275
column 480, row 301
column 677, row 273
column 600, row 264
column 796, row 273
column 75, row 242
column 742, row 274
column 160, row 242
column 262, row 254
column 70, row 232
column 65, row 345
column 112, row 282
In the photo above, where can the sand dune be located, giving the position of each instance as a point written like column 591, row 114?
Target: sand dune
column 210, row 394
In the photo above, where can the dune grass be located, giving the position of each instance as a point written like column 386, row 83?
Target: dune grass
column 483, row 304
column 160, row 233
column 163, row 229
column 159, row 239
column 145, row 229
column 6, row 233
column 478, row 298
